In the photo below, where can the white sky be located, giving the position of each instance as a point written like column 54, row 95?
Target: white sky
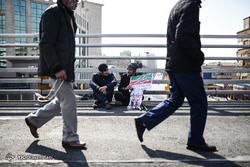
column 217, row 17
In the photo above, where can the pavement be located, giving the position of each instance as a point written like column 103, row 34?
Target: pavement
column 111, row 138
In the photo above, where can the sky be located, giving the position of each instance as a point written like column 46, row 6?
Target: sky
column 217, row 17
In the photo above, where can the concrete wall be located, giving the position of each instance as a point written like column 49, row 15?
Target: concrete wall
column 94, row 12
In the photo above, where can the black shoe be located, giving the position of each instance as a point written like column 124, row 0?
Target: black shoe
column 107, row 106
column 96, row 104
column 140, row 128
column 205, row 147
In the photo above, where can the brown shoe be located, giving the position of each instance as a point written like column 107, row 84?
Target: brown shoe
column 118, row 103
column 33, row 129
column 73, row 144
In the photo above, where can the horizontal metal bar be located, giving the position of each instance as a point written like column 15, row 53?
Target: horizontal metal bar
column 120, row 57
column 89, row 91
column 225, row 36
column 128, row 45
column 116, row 70
column 155, row 81
column 123, row 35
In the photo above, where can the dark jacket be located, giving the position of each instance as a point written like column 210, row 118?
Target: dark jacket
column 183, row 40
column 57, row 42
column 125, row 80
column 99, row 80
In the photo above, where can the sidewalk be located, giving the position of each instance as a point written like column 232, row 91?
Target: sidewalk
column 111, row 139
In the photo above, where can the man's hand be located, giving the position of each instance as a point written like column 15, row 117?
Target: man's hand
column 103, row 88
column 104, row 92
column 61, row 75
column 129, row 87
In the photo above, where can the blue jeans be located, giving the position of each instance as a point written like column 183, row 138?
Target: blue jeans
column 104, row 98
column 189, row 85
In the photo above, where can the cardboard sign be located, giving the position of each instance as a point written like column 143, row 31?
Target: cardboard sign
column 139, row 83
column 135, row 98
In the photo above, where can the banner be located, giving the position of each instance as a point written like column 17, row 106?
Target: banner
column 142, row 81
column 139, row 83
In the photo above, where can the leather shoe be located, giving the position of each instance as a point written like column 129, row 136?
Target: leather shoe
column 33, row 129
column 73, row 144
column 140, row 128
column 205, row 147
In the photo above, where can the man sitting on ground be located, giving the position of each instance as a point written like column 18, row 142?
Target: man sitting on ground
column 103, row 84
column 123, row 96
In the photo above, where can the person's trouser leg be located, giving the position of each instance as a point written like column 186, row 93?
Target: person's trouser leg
column 46, row 113
column 103, row 98
column 120, row 97
column 163, row 110
column 109, row 95
column 192, row 87
column 67, row 98
column 64, row 101
column 100, row 97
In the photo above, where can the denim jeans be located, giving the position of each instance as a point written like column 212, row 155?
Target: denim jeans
column 189, row 85
column 104, row 98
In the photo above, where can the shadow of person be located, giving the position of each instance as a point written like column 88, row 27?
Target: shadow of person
column 210, row 158
column 71, row 157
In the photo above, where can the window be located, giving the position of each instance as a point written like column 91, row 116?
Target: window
column 245, row 42
column 2, row 41
column 20, row 25
column 2, row 7
column 37, row 10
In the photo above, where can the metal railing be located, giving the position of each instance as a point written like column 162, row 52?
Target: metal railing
column 118, row 70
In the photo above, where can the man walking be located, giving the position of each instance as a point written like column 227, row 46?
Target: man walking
column 123, row 96
column 57, row 56
column 183, row 65
column 103, row 84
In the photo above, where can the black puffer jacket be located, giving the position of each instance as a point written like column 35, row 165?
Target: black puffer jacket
column 183, row 40
column 57, row 42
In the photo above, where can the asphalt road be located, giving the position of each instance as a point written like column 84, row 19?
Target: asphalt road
column 111, row 138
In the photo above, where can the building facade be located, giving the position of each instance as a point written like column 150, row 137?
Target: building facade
column 245, row 64
column 23, row 17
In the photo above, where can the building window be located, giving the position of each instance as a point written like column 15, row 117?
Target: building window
column 2, row 31
column 37, row 10
column 2, row 7
column 245, row 42
column 2, row 41
column 20, row 25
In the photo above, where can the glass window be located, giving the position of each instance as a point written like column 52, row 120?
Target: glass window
column 2, row 7
column 2, row 40
column 20, row 24
column 37, row 10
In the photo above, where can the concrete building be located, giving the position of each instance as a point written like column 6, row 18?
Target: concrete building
column 217, row 75
column 147, row 63
column 220, row 65
column 119, row 63
column 245, row 64
column 94, row 12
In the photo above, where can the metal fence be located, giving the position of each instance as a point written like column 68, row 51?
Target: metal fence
column 118, row 70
